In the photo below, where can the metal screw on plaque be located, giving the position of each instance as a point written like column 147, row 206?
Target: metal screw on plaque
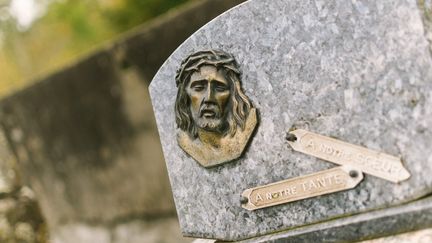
column 244, row 200
column 291, row 137
column 353, row 173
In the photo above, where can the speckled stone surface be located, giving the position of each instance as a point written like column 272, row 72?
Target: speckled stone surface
column 359, row 71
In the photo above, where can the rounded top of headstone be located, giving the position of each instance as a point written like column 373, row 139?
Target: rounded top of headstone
column 356, row 71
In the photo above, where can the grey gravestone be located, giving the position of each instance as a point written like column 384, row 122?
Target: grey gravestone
column 359, row 71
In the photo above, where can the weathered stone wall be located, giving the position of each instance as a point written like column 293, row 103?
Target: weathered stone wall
column 86, row 140
column 20, row 217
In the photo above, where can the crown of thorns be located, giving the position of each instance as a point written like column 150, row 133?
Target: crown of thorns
column 215, row 58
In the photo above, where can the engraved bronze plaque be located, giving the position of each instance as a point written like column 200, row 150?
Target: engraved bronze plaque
column 375, row 163
column 312, row 185
column 214, row 116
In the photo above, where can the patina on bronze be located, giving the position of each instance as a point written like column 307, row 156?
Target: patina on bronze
column 372, row 162
column 324, row 182
column 214, row 116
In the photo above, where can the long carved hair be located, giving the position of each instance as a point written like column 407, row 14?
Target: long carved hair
column 239, row 102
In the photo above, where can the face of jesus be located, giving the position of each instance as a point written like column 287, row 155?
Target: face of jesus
column 209, row 93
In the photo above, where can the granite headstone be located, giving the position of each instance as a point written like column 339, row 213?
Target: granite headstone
column 355, row 70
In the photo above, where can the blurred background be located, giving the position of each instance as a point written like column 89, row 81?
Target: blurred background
column 40, row 36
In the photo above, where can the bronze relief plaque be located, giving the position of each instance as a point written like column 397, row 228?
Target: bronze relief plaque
column 214, row 116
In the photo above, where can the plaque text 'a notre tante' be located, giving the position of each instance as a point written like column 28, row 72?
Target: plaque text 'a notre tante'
column 324, row 182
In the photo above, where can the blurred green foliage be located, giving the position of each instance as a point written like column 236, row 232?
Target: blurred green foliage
column 133, row 12
column 67, row 30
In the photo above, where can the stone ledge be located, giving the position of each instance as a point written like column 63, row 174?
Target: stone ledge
column 395, row 220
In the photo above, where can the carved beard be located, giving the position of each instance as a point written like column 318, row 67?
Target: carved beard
column 211, row 125
column 210, row 118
